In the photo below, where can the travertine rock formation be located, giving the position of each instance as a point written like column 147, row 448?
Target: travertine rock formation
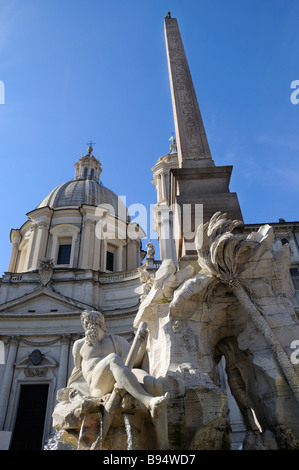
column 238, row 306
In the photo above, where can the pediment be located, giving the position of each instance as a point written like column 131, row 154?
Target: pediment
column 30, row 360
column 42, row 301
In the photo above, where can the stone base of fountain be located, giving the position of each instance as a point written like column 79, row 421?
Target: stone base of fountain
column 78, row 425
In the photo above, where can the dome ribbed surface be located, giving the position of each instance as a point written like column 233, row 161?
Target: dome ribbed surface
column 84, row 191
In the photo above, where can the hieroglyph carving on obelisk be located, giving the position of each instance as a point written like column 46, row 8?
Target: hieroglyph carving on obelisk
column 190, row 132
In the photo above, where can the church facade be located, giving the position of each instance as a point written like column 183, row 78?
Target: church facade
column 78, row 250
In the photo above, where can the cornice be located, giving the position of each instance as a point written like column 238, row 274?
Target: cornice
column 275, row 225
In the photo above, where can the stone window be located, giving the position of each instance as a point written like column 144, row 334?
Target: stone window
column 109, row 261
column 63, row 244
column 64, row 254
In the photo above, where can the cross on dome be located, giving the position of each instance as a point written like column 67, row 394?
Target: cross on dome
column 90, row 147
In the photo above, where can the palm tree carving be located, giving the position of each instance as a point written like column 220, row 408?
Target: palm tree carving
column 223, row 255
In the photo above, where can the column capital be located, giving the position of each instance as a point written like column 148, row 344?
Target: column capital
column 65, row 338
column 13, row 340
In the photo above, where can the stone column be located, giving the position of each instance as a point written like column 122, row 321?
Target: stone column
column 97, row 250
column 132, row 248
column 104, row 254
column 70, row 365
column 138, row 248
column 74, row 253
column 119, row 258
column 8, row 377
column 92, row 238
column 158, row 188
column 30, row 248
column 166, row 243
column 86, row 244
column 38, row 248
column 164, row 191
column 15, row 238
column 99, row 261
column 63, row 362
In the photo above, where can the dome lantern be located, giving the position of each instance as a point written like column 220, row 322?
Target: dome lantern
column 85, row 189
column 88, row 167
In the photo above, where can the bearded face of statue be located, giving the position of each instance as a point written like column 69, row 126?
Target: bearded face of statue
column 92, row 334
column 94, row 326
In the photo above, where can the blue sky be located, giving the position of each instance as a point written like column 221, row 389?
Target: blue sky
column 79, row 70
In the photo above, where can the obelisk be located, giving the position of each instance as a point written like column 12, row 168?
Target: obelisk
column 197, row 181
column 192, row 142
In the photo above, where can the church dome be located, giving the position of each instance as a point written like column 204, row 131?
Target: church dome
column 85, row 189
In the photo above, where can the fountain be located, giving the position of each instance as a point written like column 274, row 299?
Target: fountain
column 129, row 432
column 236, row 303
